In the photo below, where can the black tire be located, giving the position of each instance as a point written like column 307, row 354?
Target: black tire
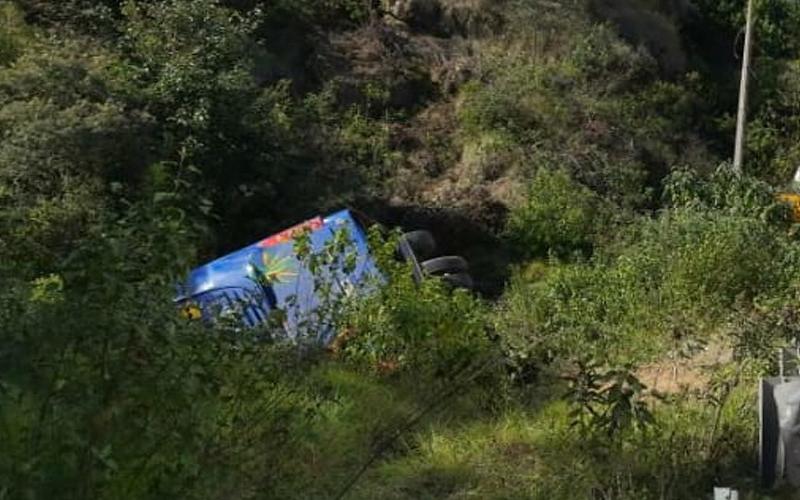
column 450, row 264
column 421, row 242
column 459, row 280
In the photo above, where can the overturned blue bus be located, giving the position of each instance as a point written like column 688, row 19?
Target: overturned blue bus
column 268, row 278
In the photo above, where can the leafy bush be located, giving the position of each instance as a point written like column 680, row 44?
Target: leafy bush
column 776, row 22
column 600, row 56
column 89, row 17
column 596, row 108
column 66, row 138
column 607, row 403
column 725, row 192
column 106, row 392
column 417, row 328
column 14, row 34
column 704, row 261
column 208, row 74
column 564, row 315
column 559, row 216
column 773, row 132
column 192, row 67
column 757, row 333
column 676, row 275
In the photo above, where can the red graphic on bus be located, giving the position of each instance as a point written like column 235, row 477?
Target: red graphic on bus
column 289, row 234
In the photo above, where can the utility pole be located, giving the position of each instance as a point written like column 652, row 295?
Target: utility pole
column 741, row 119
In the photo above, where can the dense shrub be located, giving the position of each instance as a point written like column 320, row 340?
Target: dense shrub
column 757, row 333
column 600, row 56
column 595, row 109
column 565, row 314
column 559, row 216
column 89, row 17
column 105, row 391
column 773, row 133
column 725, row 192
column 679, row 273
column 776, row 22
column 416, row 328
column 14, row 34
column 713, row 260
column 65, row 139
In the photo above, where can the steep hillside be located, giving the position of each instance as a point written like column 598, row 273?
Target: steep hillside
column 631, row 289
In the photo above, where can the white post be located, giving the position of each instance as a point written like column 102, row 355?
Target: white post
column 725, row 494
column 738, row 154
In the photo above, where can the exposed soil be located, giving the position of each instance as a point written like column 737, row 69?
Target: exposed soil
column 669, row 376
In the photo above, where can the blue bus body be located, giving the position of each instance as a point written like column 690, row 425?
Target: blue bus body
column 256, row 281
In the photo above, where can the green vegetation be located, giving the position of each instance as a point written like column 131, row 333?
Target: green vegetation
column 560, row 216
column 577, row 148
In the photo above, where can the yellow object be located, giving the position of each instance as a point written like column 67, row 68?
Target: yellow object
column 793, row 200
column 191, row 311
